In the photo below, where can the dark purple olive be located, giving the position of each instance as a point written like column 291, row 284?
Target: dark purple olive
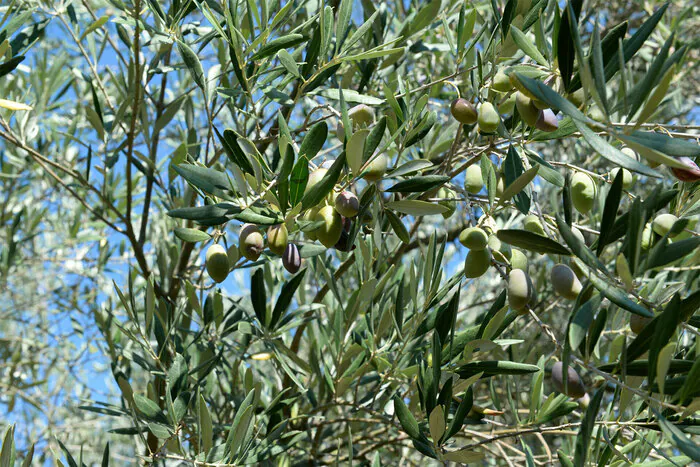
column 691, row 174
column 347, row 204
column 291, row 259
column 575, row 388
column 547, row 121
column 343, row 243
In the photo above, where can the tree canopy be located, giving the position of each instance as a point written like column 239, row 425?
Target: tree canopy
column 349, row 232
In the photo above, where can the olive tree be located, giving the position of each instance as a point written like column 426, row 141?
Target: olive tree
column 349, row 232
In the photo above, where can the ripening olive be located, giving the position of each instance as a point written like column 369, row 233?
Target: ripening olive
column 577, row 233
column 576, row 98
column 583, row 192
column 663, row 223
column 689, row 174
column 526, row 109
column 501, row 82
column 315, row 177
column 474, row 238
column 347, row 204
column 291, row 259
column 532, row 223
column 277, row 238
column 520, row 289
column 488, row 118
column 547, row 121
column 445, row 194
column 473, row 181
column 216, row 262
column 376, row 168
column 627, row 177
column 477, row 263
column 518, row 260
column 574, row 385
column 565, row 282
column 637, row 323
column 329, row 233
column 251, row 242
column 463, row 111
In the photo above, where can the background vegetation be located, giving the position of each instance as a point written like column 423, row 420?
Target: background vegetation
column 136, row 133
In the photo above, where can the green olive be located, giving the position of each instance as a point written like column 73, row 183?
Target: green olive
column 277, row 238
column 488, row 119
column 329, row 233
column 376, row 168
column 361, row 116
column 532, row 223
column 518, row 260
column 627, row 177
column 474, row 238
column 501, row 82
column 314, row 178
column 477, row 263
column 446, row 194
column 565, row 282
column 583, row 192
column 526, row 109
column 648, row 239
column 473, row 181
column 663, row 223
column 216, row 262
column 520, row 289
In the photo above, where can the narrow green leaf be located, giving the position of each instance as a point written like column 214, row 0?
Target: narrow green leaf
column 532, row 242
column 419, row 184
column 583, row 438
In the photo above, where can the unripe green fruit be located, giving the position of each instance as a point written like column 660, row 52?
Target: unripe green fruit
column 477, row 263
column 488, row 119
column 251, row 242
column 277, row 238
column 474, row 238
column 637, row 323
column 519, row 86
column 502, row 251
column 518, row 260
column 347, row 204
column 627, row 177
column 376, row 168
column 520, row 289
column 450, row 205
column 507, row 106
column 361, row 116
column 526, row 109
column 501, row 82
column 463, row 111
column 473, row 181
column 574, row 385
column 577, row 233
column 663, row 223
column 576, row 98
column 597, row 114
column 532, row 223
column 547, row 121
column 647, row 237
column 314, row 178
column 310, row 216
column 329, row 233
column 291, row 259
column 541, row 105
column 583, row 192
column 565, row 282
column 500, row 185
column 216, row 262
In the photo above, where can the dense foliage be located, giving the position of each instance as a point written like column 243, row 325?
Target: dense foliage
column 349, row 232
